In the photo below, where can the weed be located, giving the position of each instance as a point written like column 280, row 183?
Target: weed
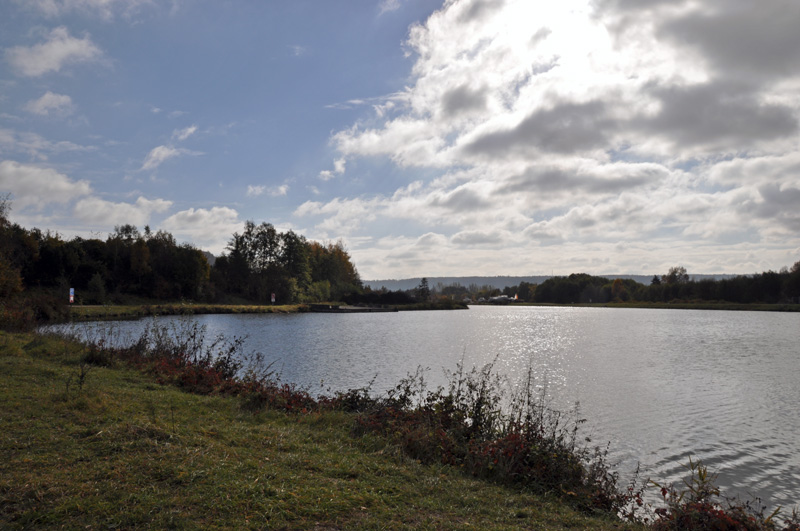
column 699, row 506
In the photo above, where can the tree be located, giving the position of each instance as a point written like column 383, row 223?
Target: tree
column 676, row 275
column 294, row 259
column 618, row 291
column 96, row 291
column 10, row 280
column 423, row 292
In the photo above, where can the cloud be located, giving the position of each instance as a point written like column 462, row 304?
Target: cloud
column 338, row 169
column 675, row 122
column 99, row 211
column 209, row 229
column 754, row 42
column 102, row 8
column 35, row 145
column 58, row 104
column 274, row 191
column 464, row 99
column 298, row 50
column 158, row 155
column 59, row 50
column 37, row 186
column 182, row 134
column 566, row 128
column 387, row 6
column 718, row 115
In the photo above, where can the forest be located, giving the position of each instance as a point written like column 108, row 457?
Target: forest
column 259, row 263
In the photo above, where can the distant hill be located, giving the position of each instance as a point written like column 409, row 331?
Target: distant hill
column 500, row 282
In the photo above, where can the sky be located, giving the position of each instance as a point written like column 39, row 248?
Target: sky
column 433, row 138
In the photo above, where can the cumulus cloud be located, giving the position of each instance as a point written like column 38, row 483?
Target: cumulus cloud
column 57, row 104
column 99, row 211
column 673, row 121
column 57, row 51
column 36, row 186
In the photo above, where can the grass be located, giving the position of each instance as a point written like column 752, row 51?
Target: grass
column 90, row 313
column 92, row 446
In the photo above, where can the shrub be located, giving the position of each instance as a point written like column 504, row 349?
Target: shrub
column 524, row 443
column 700, row 506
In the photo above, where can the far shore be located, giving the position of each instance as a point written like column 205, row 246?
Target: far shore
column 677, row 305
column 133, row 311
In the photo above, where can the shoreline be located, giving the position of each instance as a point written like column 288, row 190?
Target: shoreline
column 721, row 306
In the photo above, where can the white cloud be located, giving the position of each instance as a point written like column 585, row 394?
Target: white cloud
column 158, row 155
column 58, row 104
column 255, row 191
column 99, row 211
column 273, row 191
column 161, row 154
column 37, row 186
column 58, row 50
column 646, row 127
column 182, row 134
column 209, row 229
column 338, row 169
column 387, row 6
column 102, row 8
column 278, row 191
column 35, row 145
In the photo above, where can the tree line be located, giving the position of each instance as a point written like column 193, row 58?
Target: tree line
column 769, row 287
column 258, row 263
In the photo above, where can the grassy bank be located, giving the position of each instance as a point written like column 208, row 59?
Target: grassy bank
column 91, row 313
column 131, row 311
column 90, row 446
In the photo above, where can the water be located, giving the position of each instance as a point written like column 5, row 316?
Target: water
column 660, row 385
